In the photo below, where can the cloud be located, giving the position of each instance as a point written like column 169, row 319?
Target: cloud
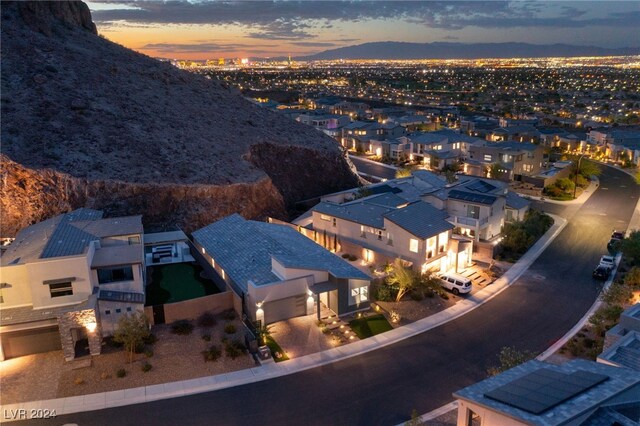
column 196, row 47
column 450, row 37
column 314, row 44
column 298, row 20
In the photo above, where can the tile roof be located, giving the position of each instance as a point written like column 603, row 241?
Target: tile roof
column 26, row 314
column 67, row 234
column 117, row 255
column 164, row 237
column 420, row 219
column 515, row 201
column 244, row 248
column 356, row 211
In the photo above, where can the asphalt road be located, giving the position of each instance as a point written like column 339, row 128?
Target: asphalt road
column 383, row 387
column 372, row 169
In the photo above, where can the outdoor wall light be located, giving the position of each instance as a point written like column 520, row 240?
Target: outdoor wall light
column 91, row 326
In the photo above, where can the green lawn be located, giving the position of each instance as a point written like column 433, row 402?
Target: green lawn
column 177, row 282
column 275, row 347
column 370, row 326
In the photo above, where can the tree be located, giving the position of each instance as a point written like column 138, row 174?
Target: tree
column 632, row 279
column 403, row 277
column 616, row 294
column 587, row 168
column 511, row 357
column 493, row 171
column 630, row 247
column 264, row 331
column 132, row 331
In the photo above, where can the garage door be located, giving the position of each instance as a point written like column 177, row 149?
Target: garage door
column 282, row 309
column 25, row 342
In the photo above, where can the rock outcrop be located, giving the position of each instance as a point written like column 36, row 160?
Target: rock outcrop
column 86, row 122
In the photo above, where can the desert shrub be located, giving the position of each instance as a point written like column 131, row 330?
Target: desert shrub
column 146, row 367
column 212, row 354
column 105, row 376
column 229, row 314
column 616, row 294
column 230, row 329
column 182, row 327
column 150, row 339
column 234, row 348
column 612, row 313
column 632, row 278
column 79, row 381
column 148, row 353
column 207, row 320
column 121, row 373
column 206, row 337
column 510, row 357
column 385, row 293
column 416, row 295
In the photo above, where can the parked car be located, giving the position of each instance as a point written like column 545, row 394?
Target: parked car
column 617, row 235
column 607, row 262
column 455, row 282
column 601, row 273
column 613, row 246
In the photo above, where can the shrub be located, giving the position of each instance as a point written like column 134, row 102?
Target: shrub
column 146, row 367
column 212, row 354
column 444, row 295
column 234, row 348
column 632, row 278
column 612, row 313
column 79, row 381
column 207, row 320
column 229, row 314
column 384, row 293
column 230, row 329
column 148, row 353
column 150, row 339
column 416, row 295
column 121, row 373
column 510, row 357
column 182, row 327
column 206, row 337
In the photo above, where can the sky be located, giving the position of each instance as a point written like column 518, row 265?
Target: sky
column 260, row 29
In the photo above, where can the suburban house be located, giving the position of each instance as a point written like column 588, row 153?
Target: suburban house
column 622, row 342
column 330, row 124
column 276, row 273
column 520, row 133
column 441, row 148
column 617, row 144
column 381, row 228
column 394, row 149
column 514, row 159
column 358, row 135
column 66, row 281
column 577, row 392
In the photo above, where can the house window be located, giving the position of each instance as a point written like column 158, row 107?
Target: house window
column 129, row 309
column 334, row 221
column 362, row 231
column 413, row 245
column 473, row 211
column 107, row 312
column 134, row 240
column 359, row 295
column 61, row 289
column 380, row 235
column 325, row 217
column 488, row 157
column 118, row 310
column 112, row 275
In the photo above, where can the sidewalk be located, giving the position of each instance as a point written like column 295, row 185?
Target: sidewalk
column 118, row 398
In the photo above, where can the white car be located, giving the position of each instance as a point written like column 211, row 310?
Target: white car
column 607, row 261
column 455, row 282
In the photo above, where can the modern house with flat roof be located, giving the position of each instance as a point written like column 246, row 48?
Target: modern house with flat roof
column 577, row 392
column 66, row 281
column 384, row 227
column 622, row 342
column 276, row 273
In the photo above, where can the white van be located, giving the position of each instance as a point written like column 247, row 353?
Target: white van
column 455, row 282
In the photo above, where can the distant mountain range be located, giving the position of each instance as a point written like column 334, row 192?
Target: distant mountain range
column 444, row 50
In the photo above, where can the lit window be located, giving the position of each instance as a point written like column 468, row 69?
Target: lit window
column 488, row 157
column 325, row 217
column 134, row 240
column 413, row 245
column 359, row 295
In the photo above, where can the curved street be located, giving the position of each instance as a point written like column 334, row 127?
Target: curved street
column 382, row 387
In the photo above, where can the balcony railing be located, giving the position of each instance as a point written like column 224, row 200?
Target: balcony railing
column 469, row 221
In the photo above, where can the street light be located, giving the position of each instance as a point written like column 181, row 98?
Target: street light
column 575, row 181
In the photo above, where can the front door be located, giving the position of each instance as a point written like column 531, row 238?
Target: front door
column 158, row 314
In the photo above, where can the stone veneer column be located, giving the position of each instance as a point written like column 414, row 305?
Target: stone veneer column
column 79, row 319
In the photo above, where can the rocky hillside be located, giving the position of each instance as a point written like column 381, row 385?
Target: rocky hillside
column 87, row 122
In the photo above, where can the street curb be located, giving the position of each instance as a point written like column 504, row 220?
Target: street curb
column 373, row 162
column 98, row 401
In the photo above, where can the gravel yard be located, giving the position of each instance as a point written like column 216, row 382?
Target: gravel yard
column 175, row 357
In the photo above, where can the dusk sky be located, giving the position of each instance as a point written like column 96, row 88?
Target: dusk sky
column 213, row 29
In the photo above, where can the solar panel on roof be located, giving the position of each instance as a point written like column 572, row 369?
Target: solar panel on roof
column 481, row 186
column 543, row 389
